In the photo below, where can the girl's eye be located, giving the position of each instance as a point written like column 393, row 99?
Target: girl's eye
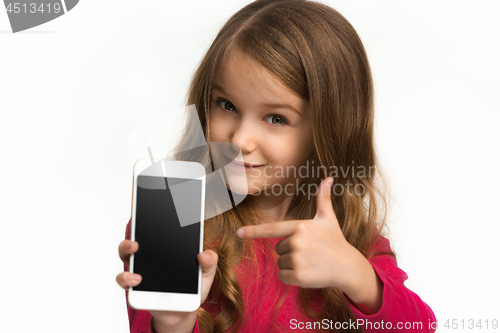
column 277, row 119
column 227, row 102
column 281, row 120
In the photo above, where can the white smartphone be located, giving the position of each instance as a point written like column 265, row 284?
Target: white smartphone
column 168, row 206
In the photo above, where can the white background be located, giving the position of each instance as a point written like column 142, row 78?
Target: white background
column 73, row 89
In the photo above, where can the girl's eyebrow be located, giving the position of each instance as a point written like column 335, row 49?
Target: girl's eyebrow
column 269, row 105
column 216, row 86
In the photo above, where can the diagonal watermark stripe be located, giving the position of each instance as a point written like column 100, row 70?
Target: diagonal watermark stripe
column 25, row 15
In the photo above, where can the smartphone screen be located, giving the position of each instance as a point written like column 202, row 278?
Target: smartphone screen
column 167, row 253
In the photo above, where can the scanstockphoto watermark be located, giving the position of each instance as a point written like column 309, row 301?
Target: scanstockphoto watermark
column 307, row 189
column 310, row 170
column 359, row 323
column 297, row 187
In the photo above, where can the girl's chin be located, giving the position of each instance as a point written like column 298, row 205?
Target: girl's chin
column 242, row 187
column 241, row 190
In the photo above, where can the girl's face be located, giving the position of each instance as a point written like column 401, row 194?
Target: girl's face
column 266, row 120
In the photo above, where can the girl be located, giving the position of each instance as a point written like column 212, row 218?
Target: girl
column 289, row 83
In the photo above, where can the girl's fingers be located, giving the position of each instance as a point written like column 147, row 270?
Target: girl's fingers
column 285, row 262
column 127, row 279
column 125, row 249
column 208, row 261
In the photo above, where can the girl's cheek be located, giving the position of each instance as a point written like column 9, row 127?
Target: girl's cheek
column 213, row 130
column 217, row 129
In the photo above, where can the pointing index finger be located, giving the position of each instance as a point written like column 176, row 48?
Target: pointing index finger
column 268, row 230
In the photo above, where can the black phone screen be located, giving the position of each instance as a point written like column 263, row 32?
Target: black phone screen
column 167, row 253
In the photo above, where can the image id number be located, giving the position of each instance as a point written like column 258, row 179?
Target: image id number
column 471, row 324
column 33, row 8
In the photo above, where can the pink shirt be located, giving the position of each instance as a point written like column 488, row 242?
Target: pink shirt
column 401, row 309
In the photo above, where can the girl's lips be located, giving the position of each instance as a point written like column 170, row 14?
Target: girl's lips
column 241, row 166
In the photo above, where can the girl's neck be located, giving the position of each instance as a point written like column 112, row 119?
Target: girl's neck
column 274, row 210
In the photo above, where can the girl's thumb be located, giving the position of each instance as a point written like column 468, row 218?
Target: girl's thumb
column 208, row 261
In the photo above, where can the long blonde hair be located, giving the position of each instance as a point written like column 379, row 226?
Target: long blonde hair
column 316, row 52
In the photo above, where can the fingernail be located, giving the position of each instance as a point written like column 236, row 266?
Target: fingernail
column 129, row 245
column 328, row 182
column 204, row 256
column 136, row 277
column 240, row 232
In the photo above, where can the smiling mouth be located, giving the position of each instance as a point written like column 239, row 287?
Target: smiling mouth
column 241, row 165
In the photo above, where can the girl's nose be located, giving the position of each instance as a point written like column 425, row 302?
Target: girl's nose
column 244, row 137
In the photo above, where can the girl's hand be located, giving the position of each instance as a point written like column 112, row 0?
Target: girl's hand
column 316, row 254
column 167, row 320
